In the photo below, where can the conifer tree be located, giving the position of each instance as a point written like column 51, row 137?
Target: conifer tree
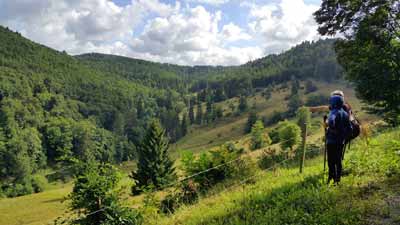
column 251, row 120
column 155, row 168
column 209, row 110
column 191, row 113
column 258, row 138
column 243, row 106
column 184, row 125
column 199, row 115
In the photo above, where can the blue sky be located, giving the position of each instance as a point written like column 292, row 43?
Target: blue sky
column 187, row 32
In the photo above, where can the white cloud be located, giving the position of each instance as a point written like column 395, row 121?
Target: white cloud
column 231, row 32
column 210, row 2
column 192, row 37
column 284, row 24
column 78, row 26
column 170, row 33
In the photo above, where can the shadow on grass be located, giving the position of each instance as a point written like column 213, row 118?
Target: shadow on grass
column 55, row 200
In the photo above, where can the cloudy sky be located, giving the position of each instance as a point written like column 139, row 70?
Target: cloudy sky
column 186, row 32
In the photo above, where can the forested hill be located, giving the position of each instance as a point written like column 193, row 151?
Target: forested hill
column 149, row 73
column 309, row 60
column 56, row 109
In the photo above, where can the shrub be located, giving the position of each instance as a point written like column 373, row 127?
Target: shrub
column 39, row 183
column 224, row 155
column 95, row 195
column 317, row 100
column 186, row 194
column 21, row 188
column 312, row 150
column 259, row 138
column 274, row 135
column 270, row 157
column 310, row 87
column 275, row 117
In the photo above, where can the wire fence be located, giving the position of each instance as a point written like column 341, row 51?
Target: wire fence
column 235, row 185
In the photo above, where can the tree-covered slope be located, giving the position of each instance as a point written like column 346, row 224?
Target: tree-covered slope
column 55, row 110
column 309, row 60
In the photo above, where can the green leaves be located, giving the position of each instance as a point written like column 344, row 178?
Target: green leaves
column 289, row 135
column 370, row 54
column 154, row 165
column 96, row 198
column 259, row 138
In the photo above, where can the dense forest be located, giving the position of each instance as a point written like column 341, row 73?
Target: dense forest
column 57, row 109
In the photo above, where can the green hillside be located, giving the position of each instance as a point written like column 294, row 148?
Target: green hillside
column 369, row 194
column 58, row 110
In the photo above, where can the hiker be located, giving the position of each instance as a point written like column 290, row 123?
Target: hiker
column 339, row 128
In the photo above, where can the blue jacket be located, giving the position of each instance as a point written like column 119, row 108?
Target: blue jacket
column 339, row 126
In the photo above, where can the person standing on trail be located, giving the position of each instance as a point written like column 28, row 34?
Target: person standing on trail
column 338, row 129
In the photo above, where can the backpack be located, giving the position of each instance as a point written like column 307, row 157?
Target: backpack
column 355, row 125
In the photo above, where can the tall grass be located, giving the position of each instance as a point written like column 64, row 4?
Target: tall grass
column 286, row 197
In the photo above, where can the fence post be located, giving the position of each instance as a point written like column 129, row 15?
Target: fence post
column 303, row 147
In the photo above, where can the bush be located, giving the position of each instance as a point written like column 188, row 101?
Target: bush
column 317, row 100
column 224, row 155
column 275, row 117
column 24, row 187
column 312, row 150
column 96, row 190
column 39, row 183
column 310, row 87
column 270, row 158
column 186, row 194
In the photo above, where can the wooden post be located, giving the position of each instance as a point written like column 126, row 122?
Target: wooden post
column 303, row 146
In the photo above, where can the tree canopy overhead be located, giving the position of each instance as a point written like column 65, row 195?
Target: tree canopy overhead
column 370, row 49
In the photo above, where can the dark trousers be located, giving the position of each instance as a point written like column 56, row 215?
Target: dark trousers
column 335, row 152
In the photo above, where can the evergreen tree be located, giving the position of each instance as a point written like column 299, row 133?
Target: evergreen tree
column 219, row 95
column 140, row 110
column 191, row 113
column 243, row 106
column 219, row 112
column 184, row 125
column 258, row 138
column 199, row 115
column 295, row 87
column 310, row 87
column 209, row 110
column 294, row 103
column 154, row 168
column 251, row 120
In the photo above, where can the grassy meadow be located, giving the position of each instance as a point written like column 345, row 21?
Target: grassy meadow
column 43, row 208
